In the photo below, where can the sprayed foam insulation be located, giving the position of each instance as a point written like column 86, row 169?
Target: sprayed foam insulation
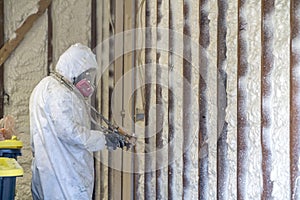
column 231, row 110
column 280, row 102
column 23, row 70
column 212, row 101
column 28, row 63
column 71, row 23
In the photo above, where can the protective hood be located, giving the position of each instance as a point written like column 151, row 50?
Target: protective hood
column 75, row 60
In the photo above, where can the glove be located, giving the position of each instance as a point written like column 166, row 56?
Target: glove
column 114, row 140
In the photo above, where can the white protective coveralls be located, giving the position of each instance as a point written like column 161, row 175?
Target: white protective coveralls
column 61, row 139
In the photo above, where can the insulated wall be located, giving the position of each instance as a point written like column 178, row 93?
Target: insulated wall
column 210, row 89
column 22, row 71
column 64, row 23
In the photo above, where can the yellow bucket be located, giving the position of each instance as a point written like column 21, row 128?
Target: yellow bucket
column 10, row 167
column 13, row 143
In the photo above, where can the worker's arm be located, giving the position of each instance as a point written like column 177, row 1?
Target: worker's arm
column 66, row 117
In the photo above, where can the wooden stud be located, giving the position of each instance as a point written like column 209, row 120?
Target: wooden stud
column 171, row 108
column 243, row 129
column 267, row 59
column 94, row 101
column 159, row 108
column 148, row 77
column 128, row 107
column 105, row 171
column 118, row 105
column 136, row 174
column 294, row 101
column 222, row 146
column 187, row 101
column 50, row 35
column 111, row 80
column 204, row 41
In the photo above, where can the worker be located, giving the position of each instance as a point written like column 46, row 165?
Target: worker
column 62, row 141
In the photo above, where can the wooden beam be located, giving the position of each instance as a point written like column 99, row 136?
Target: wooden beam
column 20, row 33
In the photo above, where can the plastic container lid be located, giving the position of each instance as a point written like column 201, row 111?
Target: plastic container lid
column 10, row 167
column 13, row 143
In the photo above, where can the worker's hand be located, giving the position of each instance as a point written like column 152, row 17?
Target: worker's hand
column 114, row 140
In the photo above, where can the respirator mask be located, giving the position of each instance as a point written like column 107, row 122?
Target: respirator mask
column 84, row 82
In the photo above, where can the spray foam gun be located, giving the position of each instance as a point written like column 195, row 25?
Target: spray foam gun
column 128, row 140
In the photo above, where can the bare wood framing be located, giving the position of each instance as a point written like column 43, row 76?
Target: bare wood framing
column 148, row 70
column 267, row 64
column 203, row 162
column 171, row 108
column 159, row 109
column 294, row 101
column 110, row 91
column 139, row 8
column 222, row 161
column 50, row 35
column 96, row 192
column 187, row 101
column 100, row 166
column 128, row 107
column 11, row 44
column 117, row 156
column 105, row 58
column 243, row 128
column 94, row 38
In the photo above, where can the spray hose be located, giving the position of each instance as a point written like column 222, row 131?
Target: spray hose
column 129, row 140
